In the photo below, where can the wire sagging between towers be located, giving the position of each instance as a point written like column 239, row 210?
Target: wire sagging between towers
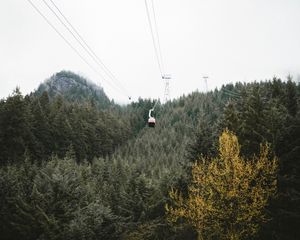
column 113, row 81
column 157, row 47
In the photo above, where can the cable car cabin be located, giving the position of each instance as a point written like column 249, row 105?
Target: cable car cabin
column 151, row 122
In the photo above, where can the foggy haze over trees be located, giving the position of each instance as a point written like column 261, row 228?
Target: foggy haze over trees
column 76, row 165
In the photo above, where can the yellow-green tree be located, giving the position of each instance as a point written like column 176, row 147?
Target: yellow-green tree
column 228, row 194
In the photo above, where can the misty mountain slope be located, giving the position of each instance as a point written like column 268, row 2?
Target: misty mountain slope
column 180, row 122
column 73, row 88
column 189, row 127
column 162, row 150
column 123, row 170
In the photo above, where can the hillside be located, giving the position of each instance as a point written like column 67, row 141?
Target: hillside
column 188, row 128
column 119, row 183
column 73, row 88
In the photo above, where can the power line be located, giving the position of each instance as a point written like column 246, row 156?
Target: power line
column 69, row 44
column 85, row 45
column 157, row 36
column 153, row 39
column 167, row 90
column 157, row 48
column 78, row 40
column 231, row 93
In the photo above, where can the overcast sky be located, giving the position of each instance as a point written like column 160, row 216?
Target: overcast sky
column 229, row 41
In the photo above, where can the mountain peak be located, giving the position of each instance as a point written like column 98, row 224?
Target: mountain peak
column 73, row 87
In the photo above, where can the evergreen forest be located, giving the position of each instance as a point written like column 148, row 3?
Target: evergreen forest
column 223, row 164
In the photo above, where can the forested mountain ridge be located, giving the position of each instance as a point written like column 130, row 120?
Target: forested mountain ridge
column 73, row 87
column 118, row 186
column 258, row 112
column 37, row 127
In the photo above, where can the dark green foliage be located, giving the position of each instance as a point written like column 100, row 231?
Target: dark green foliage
column 261, row 112
column 14, row 128
column 291, row 97
column 204, row 143
column 39, row 128
column 269, row 113
column 58, row 201
column 76, row 166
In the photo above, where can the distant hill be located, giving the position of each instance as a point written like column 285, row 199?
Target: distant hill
column 73, row 88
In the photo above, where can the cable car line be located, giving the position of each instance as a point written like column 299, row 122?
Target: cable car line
column 91, row 53
column 87, row 49
column 56, row 30
column 71, row 46
column 157, row 46
column 158, row 54
column 85, row 45
column 157, row 36
column 229, row 92
column 153, row 39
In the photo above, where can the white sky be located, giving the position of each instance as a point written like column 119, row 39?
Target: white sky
column 232, row 40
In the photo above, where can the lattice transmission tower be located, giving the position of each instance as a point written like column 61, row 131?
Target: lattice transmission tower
column 167, row 78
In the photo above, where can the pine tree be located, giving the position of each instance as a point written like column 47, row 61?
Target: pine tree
column 203, row 145
column 291, row 97
column 230, row 117
column 14, row 129
column 252, row 126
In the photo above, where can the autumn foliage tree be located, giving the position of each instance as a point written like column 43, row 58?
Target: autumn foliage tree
column 228, row 194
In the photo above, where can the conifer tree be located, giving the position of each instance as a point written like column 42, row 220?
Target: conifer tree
column 14, row 128
column 291, row 97
column 230, row 118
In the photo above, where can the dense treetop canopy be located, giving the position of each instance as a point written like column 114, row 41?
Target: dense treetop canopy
column 75, row 165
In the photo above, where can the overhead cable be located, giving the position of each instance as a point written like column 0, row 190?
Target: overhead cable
column 153, row 39
column 78, row 37
column 157, row 36
column 70, row 45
